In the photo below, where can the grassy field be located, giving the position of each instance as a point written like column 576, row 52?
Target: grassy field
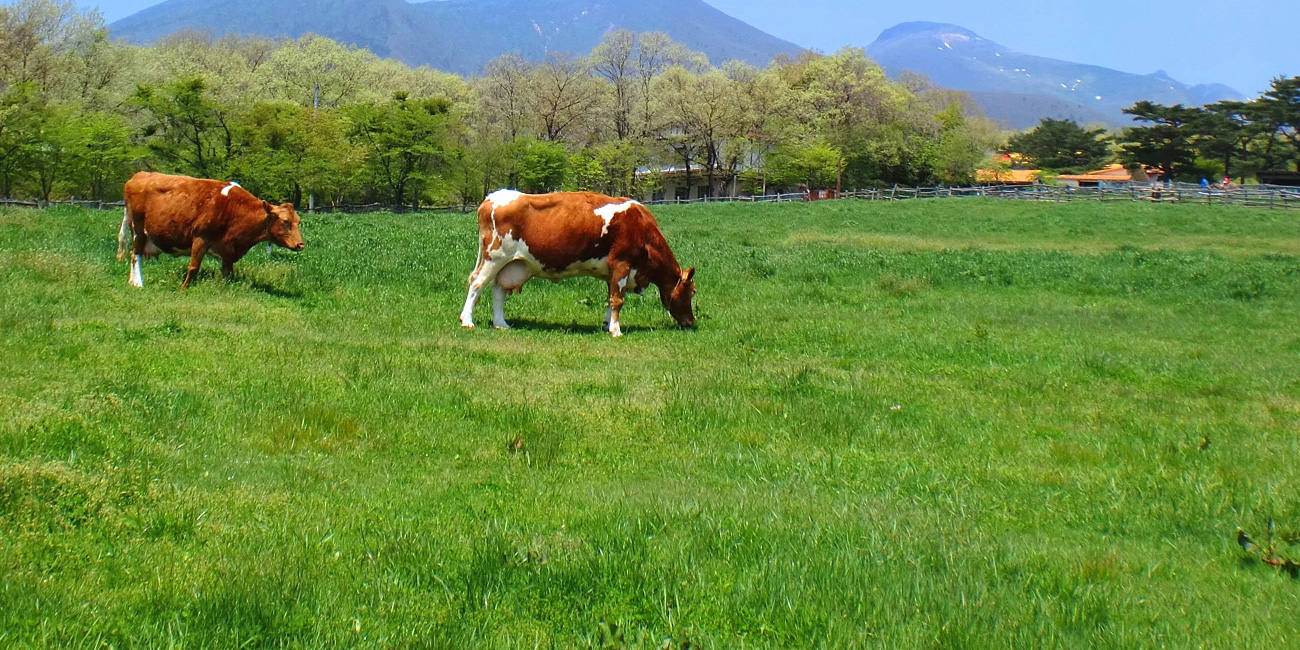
column 932, row 424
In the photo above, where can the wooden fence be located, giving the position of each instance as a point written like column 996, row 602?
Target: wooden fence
column 1258, row 196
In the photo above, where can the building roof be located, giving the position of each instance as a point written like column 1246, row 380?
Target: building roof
column 1007, row 175
column 1114, row 172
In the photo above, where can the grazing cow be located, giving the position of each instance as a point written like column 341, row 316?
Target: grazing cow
column 567, row 234
column 179, row 215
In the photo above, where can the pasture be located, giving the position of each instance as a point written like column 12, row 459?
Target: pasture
column 938, row 424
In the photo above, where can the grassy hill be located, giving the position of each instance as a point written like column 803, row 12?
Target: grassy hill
column 964, row 423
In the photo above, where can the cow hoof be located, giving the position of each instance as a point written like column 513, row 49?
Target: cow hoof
column 467, row 326
column 501, row 326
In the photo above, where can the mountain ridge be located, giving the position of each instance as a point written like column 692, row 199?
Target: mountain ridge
column 461, row 36
column 1000, row 77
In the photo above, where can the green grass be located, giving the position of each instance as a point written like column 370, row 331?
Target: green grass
column 932, row 424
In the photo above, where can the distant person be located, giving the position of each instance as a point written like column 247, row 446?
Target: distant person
column 1205, row 184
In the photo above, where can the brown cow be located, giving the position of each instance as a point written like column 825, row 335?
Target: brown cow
column 179, row 215
column 567, row 234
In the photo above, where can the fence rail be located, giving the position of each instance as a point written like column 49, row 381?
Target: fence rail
column 321, row 209
column 1261, row 196
column 1258, row 196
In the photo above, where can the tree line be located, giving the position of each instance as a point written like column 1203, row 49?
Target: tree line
column 293, row 118
column 289, row 118
column 1228, row 139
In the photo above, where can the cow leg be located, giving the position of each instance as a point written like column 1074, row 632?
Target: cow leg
column 138, row 245
column 124, row 235
column 197, row 250
column 137, row 274
column 485, row 274
column 616, row 283
column 498, row 307
column 227, row 269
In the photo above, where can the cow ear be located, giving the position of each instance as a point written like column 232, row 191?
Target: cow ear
column 267, row 206
column 689, row 274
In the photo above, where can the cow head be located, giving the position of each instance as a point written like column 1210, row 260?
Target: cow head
column 284, row 225
column 678, row 301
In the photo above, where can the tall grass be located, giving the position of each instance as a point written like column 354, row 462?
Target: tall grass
column 957, row 424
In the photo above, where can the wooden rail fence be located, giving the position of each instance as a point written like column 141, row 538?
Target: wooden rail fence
column 1257, row 196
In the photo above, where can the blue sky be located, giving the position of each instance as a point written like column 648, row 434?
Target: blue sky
column 1196, row 41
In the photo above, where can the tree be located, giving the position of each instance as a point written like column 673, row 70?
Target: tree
column 1062, row 146
column 405, row 141
column 1167, row 142
column 186, row 131
column 1225, row 132
column 814, row 165
column 104, row 154
column 503, row 96
column 612, row 60
column 36, row 36
column 543, row 166
column 19, row 117
column 961, row 148
column 1280, row 108
column 563, row 95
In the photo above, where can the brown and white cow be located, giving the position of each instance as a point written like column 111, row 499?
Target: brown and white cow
column 568, row 234
column 180, row 215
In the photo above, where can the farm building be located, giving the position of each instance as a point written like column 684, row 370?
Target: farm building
column 1111, row 176
column 674, row 185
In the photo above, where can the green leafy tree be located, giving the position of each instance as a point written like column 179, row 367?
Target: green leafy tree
column 19, row 119
column 1062, row 146
column 543, row 165
column 815, row 165
column 186, row 131
column 53, row 157
column 1279, row 109
column 405, row 142
column 105, row 154
column 286, row 151
column 1167, row 141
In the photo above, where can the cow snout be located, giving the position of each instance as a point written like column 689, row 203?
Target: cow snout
column 299, row 246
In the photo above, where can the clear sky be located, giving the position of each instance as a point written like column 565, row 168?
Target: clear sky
column 1195, row 41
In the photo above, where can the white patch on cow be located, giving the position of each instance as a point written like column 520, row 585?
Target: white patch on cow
column 225, row 191
column 615, row 330
column 502, row 198
column 629, row 279
column 151, row 249
column 607, row 213
column 137, row 276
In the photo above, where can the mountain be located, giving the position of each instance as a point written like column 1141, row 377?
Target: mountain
column 461, row 36
column 1019, row 89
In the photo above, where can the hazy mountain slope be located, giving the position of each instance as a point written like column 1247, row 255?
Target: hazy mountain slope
column 461, row 35
column 1007, row 81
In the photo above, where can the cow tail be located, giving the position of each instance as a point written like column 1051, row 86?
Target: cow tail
column 124, row 235
column 479, row 263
